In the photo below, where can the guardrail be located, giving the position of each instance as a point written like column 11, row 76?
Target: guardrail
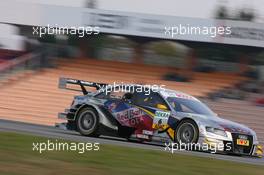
column 30, row 61
column 44, row 56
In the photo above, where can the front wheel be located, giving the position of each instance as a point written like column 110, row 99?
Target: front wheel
column 187, row 132
column 88, row 122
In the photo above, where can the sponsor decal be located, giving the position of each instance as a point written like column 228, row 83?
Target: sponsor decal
column 184, row 96
column 242, row 142
column 130, row 116
column 177, row 95
column 162, row 114
column 168, row 94
column 160, row 120
column 129, row 113
column 242, row 137
column 142, row 136
column 147, row 132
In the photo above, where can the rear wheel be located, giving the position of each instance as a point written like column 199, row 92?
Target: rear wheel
column 187, row 132
column 88, row 122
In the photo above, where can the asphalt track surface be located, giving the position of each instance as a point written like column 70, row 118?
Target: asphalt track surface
column 56, row 133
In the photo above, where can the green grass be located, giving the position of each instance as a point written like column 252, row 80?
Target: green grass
column 17, row 157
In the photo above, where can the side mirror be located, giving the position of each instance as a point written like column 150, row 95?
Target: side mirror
column 161, row 106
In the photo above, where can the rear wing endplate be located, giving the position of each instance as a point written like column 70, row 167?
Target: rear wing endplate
column 82, row 83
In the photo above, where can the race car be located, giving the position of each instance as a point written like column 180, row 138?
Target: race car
column 140, row 113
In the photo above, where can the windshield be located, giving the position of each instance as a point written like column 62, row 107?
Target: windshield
column 189, row 106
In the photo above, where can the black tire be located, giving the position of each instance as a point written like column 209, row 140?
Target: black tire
column 87, row 122
column 187, row 132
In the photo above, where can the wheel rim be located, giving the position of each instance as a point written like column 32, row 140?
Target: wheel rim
column 186, row 133
column 87, row 121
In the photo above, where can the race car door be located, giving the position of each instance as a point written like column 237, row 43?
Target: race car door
column 157, row 110
column 127, row 114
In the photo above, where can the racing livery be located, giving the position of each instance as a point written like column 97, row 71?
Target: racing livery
column 159, row 116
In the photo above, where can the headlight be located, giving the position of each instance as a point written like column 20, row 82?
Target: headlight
column 216, row 131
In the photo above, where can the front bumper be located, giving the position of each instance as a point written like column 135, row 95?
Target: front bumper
column 230, row 147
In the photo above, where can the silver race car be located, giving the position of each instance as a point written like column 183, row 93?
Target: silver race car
column 146, row 114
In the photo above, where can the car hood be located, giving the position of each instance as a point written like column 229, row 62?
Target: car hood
column 217, row 122
column 232, row 127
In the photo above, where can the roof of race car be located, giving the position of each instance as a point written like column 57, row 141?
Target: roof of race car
column 173, row 93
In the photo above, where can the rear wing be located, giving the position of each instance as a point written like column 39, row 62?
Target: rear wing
column 64, row 81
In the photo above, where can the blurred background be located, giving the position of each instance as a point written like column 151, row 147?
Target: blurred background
column 226, row 72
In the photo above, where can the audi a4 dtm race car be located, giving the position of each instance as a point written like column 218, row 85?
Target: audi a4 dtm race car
column 161, row 116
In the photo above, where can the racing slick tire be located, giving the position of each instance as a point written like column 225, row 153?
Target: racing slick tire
column 88, row 122
column 187, row 132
